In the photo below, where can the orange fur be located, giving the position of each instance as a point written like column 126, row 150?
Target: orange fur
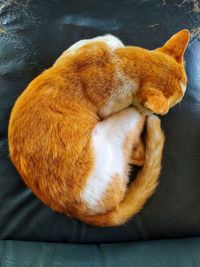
column 138, row 154
column 52, row 122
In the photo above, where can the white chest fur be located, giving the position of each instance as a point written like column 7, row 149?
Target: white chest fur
column 121, row 98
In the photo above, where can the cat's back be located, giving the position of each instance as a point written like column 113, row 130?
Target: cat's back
column 46, row 122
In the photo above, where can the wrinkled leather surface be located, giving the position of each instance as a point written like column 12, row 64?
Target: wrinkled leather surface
column 32, row 36
column 162, row 253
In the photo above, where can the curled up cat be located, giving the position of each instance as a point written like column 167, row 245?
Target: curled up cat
column 76, row 128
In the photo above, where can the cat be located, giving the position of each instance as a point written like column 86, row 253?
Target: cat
column 76, row 128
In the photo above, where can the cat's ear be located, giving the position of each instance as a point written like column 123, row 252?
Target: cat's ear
column 154, row 100
column 177, row 45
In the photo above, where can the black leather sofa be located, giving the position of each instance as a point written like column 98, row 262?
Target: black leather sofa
column 166, row 232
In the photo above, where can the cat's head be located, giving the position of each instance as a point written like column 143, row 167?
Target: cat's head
column 165, row 84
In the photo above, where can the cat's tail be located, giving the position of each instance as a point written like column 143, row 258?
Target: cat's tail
column 144, row 184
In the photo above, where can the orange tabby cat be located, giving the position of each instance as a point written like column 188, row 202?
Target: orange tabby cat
column 72, row 132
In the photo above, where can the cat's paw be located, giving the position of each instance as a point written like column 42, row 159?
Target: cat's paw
column 153, row 122
column 138, row 154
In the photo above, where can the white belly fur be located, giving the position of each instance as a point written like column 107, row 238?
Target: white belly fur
column 108, row 145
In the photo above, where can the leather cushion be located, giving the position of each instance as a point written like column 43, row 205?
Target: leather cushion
column 32, row 35
column 161, row 253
